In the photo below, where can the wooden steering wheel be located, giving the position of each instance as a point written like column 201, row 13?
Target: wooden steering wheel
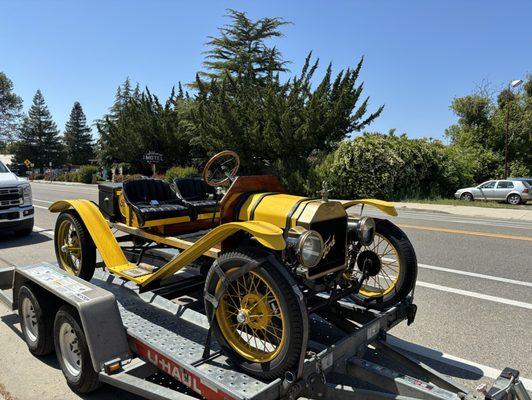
column 221, row 168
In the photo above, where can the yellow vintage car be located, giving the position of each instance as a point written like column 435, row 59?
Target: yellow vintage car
column 268, row 259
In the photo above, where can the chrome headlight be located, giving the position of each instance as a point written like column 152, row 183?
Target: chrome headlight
column 309, row 249
column 362, row 230
column 26, row 193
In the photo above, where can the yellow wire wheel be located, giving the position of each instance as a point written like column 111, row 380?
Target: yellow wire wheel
column 75, row 251
column 397, row 267
column 258, row 321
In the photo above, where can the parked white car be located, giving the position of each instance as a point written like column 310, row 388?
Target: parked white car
column 16, row 209
column 513, row 191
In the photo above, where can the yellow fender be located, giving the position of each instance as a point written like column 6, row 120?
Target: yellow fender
column 384, row 206
column 267, row 234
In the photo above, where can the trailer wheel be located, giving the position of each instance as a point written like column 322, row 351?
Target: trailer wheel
column 396, row 267
column 74, row 249
column 73, row 353
column 258, row 322
column 36, row 321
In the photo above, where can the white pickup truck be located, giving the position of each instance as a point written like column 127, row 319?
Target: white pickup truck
column 16, row 209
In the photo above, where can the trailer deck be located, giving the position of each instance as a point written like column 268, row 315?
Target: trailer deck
column 165, row 334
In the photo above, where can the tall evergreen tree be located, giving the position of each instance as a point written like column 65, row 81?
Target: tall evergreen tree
column 77, row 137
column 38, row 138
column 10, row 108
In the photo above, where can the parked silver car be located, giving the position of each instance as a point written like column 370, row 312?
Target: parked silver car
column 511, row 190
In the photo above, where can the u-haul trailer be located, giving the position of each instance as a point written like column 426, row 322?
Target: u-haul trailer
column 153, row 344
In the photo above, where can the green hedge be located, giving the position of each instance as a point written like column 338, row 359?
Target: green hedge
column 180, row 172
column 88, row 174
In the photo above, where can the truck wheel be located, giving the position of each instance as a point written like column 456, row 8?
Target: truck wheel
column 394, row 267
column 258, row 322
column 25, row 229
column 36, row 321
column 72, row 352
column 74, row 249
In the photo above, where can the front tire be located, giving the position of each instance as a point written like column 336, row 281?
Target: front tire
column 397, row 274
column 36, row 320
column 258, row 323
column 73, row 353
column 74, row 249
column 466, row 197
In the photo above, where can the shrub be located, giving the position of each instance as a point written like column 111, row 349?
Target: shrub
column 86, row 173
column 180, row 172
column 122, row 178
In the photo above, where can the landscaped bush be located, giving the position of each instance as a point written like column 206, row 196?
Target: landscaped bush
column 86, row 174
column 122, row 178
column 180, row 172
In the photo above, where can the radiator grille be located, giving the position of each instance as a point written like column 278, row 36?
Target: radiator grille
column 10, row 197
column 337, row 229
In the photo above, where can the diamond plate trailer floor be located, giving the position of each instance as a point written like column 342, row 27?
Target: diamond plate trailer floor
column 347, row 356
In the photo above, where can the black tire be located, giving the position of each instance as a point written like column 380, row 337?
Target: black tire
column 36, row 320
column 466, row 196
column 67, row 322
column 88, row 249
column 408, row 271
column 288, row 356
column 514, row 199
column 25, row 229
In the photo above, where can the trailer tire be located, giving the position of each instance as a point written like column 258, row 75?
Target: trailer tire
column 280, row 300
column 80, row 237
column 72, row 351
column 36, row 320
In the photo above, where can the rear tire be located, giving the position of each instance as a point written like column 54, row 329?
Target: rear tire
column 407, row 275
column 514, row 199
column 466, row 197
column 36, row 320
column 268, row 309
column 73, row 353
column 81, row 263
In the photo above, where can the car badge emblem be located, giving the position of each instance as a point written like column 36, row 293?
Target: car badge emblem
column 329, row 244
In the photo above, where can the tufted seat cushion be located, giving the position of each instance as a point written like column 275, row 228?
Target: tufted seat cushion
column 154, row 199
column 195, row 193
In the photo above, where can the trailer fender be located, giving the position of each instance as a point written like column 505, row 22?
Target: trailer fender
column 385, row 206
column 99, row 230
column 266, row 234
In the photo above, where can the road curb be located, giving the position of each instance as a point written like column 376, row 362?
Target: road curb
column 94, row 185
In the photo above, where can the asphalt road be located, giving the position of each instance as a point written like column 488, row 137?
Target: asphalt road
column 474, row 298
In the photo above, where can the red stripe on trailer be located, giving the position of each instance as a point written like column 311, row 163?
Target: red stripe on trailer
column 179, row 373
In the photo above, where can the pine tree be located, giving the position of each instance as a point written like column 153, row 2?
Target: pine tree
column 77, row 137
column 38, row 137
column 10, row 108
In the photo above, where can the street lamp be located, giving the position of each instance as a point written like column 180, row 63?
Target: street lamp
column 512, row 84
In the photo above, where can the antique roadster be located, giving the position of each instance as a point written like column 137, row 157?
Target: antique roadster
column 268, row 259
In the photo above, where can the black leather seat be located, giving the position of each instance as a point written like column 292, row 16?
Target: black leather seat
column 195, row 193
column 153, row 199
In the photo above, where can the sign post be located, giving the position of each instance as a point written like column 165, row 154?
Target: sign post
column 153, row 159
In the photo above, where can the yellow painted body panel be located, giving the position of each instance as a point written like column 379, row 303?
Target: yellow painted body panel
column 384, row 206
column 273, row 208
column 267, row 234
column 98, row 228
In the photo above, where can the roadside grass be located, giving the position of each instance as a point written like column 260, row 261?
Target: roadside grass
column 476, row 203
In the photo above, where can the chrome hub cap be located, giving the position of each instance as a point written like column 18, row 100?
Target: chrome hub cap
column 69, row 344
column 30, row 320
column 242, row 317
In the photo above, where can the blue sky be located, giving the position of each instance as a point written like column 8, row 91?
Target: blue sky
column 419, row 54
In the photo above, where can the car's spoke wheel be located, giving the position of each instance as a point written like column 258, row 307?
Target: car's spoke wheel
column 74, row 248
column 258, row 322
column 514, row 199
column 393, row 267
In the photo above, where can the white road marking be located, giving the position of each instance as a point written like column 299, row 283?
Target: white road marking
column 448, row 359
column 47, row 232
column 481, row 296
column 476, row 275
column 43, row 201
column 41, row 207
column 467, row 273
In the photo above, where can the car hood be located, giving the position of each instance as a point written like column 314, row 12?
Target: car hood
column 9, row 179
column 465, row 189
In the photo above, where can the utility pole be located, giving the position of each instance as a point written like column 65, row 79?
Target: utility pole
column 511, row 85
